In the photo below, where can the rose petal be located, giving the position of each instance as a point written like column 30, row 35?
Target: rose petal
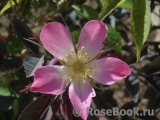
column 54, row 61
column 92, row 37
column 49, row 80
column 81, row 95
column 109, row 70
column 56, row 39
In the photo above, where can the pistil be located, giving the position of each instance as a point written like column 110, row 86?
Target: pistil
column 77, row 66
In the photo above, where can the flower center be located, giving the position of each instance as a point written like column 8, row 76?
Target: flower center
column 77, row 66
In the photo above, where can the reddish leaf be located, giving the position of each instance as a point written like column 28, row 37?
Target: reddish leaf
column 3, row 52
column 24, row 32
column 38, row 109
column 66, row 106
column 55, row 106
column 52, row 109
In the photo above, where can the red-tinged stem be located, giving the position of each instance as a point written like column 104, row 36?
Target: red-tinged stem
column 22, row 57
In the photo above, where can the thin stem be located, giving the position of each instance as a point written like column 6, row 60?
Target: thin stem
column 19, row 68
column 100, row 53
column 34, row 42
column 22, row 57
column 69, row 31
column 26, row 88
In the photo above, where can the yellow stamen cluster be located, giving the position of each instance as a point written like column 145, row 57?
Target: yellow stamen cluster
column 77, row 66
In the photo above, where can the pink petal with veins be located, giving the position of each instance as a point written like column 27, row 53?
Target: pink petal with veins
column 56, row 39
column 92, row 36
column 81, row 95
column 109, row 70
column 49, row 80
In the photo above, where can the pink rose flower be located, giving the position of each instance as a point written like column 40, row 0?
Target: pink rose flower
column 78, row 67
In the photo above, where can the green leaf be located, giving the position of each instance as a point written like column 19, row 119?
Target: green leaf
column 100, row 3
column 9, row 4
column 5, row 78
column 140, row 23
column 113, row 38
column 86, row 11
column 75, row 35
column 55, row 1
column 109, row 6
column 16, row 107
column 126, row 4
column 6, row 91
column 2, row 116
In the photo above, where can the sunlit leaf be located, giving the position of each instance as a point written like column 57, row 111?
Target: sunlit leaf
column 140, row 23
column 86, row 11
column 108, row 7
column 31, row 64
column 126, row 4
column 100, row 3
column 6, row 91
column 9, row 4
